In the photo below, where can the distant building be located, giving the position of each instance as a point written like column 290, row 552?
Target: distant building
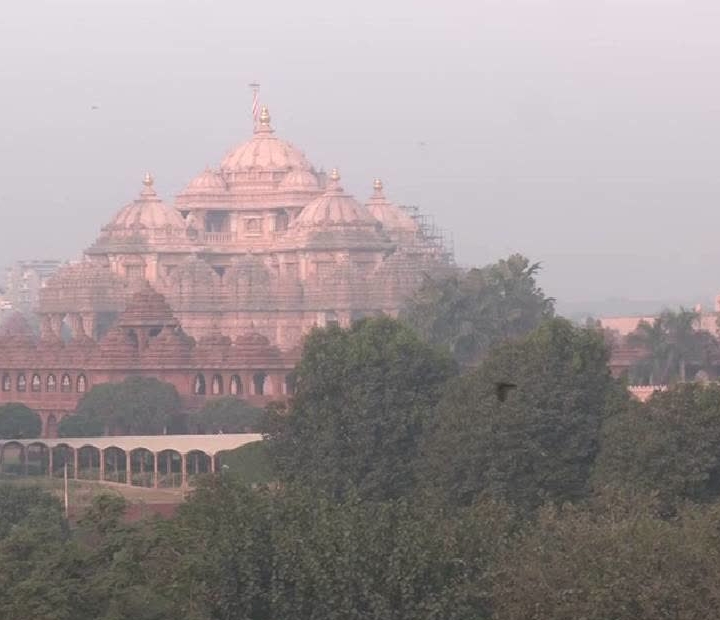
column 23, row 282
column 215, row 292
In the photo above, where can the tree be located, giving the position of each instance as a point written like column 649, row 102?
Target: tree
column 228, row 415
column 538, row 445
column 672, row 342
column 137, row 406
column 289, row 554
column 473, row 311
column 79, row 425
column 621, row 562
column 250, row 464
column 364, row 398
column 19, row 422
column 19, row 503
column 670, row 444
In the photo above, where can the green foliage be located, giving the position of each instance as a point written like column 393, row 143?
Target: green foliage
column 228, row 415
column 670, row 444
column 19, row 504
column 622, row 562
column 674, row 344
column 364, row 397
column 290, row 555
column 249, row 464
column 538, row 445
column 19, row 422
column 137, row 406
column 474, row 311
column 79, row 425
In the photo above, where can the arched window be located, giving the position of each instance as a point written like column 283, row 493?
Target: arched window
column 331, row 320
column 259, row 383
column 65, row 383
column 290, row 384
column 51, row 384
column 282, row 219
column 81, row 384
column 199, row 385
column 235, row 385
column 35, row 383
column 6, row 383
column 21, row 383
column 217, row 385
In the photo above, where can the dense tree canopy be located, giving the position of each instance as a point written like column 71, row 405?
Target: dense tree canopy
column 364, row 396
column 228, row 415
column 473, row 311
column 674, row 346
column 670, row 444
column 137, row 406
column 540, row 444
column 19, row 422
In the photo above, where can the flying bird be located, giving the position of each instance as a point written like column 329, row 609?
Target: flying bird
column 95, row 107
column 502, row 389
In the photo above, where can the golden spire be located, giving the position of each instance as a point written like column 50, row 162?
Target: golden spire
column 334, row 175
column 264, row 116
column 148, row 180
column 377, row 185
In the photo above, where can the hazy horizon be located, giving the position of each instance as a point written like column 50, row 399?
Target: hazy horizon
column 581, row 134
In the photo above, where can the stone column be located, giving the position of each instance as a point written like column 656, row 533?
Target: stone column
column 56, row 322
column 276, row 384
column 26, row 458
column 50, row 461
column 76, row 463
column 88, row 320
column 76, row 326
column 155, row 470
column 46, row 326
column 183, row 464
column 128, row 468
column 212, row 464
column 102, row 465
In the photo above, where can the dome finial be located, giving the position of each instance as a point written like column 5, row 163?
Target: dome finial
column 148, row 180
column 377, row 185
column 265, row 116
column 334, row 175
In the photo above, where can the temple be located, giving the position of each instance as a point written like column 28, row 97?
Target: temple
column 215, row 291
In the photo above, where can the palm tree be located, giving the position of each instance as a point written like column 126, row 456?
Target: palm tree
column 672, row 342
column 651, row 338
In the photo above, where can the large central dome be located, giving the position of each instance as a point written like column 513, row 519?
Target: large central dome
column 264, row 153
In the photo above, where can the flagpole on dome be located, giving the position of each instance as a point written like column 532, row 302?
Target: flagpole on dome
column 255, row 104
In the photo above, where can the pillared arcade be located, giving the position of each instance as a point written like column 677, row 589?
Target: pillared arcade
column 215, row 292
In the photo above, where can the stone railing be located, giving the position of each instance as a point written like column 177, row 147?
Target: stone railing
column 217, row 237
column 643, row 392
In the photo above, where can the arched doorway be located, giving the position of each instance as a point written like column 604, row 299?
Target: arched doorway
column 169, row 469
column 88, row 463
column 197, row 463
column 142, row 467
column 115, row 461
column 12, row 458
column 51, row 426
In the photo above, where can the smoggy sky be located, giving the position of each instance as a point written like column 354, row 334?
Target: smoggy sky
column 582, row 133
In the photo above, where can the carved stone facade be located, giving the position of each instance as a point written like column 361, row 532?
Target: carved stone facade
column 50, row 375
column 265, row 244
column 249, row 258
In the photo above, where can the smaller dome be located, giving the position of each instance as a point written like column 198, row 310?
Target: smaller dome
column 207, row 181
column 300, row 179
column 148, row 212
column 334, row 208
column 392, row 217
